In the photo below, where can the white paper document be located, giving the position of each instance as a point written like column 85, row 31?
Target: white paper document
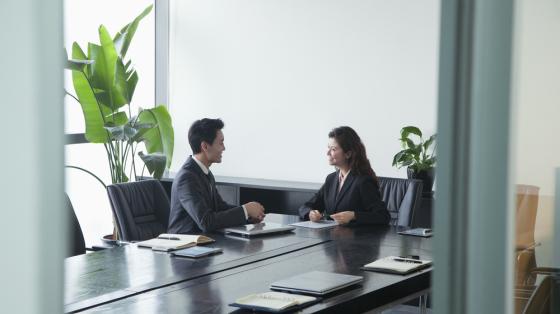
column 316, row 225
column 397, row 265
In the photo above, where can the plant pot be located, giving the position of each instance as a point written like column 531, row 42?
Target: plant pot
column 427, row 177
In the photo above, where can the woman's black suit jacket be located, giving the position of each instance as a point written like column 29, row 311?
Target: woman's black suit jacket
column 359, row 193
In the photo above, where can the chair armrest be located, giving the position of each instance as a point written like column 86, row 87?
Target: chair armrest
column 545, row 270
column 541, row 271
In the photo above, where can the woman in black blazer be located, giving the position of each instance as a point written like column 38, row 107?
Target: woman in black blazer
column 351, row 193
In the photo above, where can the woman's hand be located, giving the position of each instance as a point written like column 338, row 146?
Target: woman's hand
column 343, row 217
column 315, row 215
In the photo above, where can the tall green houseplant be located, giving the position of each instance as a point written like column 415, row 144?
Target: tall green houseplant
column 104, row 83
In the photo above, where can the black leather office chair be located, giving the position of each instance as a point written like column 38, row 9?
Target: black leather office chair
column 77, row 244
column 141, row 209
column 402, row 197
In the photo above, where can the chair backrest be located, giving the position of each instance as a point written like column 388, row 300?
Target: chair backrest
column 141, row 209
column 76, row 242
column 527, row 201
column 540, row 300
column 402, row 197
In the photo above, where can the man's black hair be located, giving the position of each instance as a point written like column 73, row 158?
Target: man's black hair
column 204, row 130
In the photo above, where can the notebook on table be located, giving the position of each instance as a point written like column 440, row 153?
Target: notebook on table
column 275, row 302
column 197, row 251
column 397, row 265
column 316, row 283
column 170, row 242
column 258, row 229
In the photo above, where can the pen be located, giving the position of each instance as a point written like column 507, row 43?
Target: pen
column 169, row 238
column 398, row 259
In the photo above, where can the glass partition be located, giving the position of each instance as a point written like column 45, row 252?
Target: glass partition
column 536, row 163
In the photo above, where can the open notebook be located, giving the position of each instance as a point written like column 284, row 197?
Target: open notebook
column 170, row 242
column 397, row 265
column 276, row 302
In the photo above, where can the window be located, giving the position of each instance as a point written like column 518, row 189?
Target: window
column 82, row 19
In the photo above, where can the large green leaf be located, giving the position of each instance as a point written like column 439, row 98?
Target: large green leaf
column 409, row 143
column 118, row 118
column 139, row 130
column 125, row 82
column 103, row 71
column 429, row 142
column 117, row 132
column 155, row 163
column 407, row 130
column 93, row 117
column 121, row 84
column 131, row 82
column 124, row 37
column 77, row 65
column 161, row 137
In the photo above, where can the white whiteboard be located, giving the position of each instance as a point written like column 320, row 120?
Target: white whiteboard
column 283, row 73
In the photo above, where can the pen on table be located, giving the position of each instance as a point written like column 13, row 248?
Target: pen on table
column 398, row 259
column 169, row 238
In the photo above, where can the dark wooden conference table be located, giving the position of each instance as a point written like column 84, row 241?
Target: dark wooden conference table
column 129, row 279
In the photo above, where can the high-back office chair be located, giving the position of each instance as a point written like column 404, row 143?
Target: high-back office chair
column 141, row 209
column 77, row 244
column 527, row 201
column 540, row 300
column 402, row 197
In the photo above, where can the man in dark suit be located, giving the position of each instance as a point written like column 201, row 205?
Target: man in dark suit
column 196, row 205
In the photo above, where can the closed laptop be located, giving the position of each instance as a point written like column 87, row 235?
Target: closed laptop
column 258, row 229
column 316, row 282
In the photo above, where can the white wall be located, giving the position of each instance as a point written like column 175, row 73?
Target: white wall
column 283, row 73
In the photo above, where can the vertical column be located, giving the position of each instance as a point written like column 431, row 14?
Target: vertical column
column 33, row 218
column 472, row 219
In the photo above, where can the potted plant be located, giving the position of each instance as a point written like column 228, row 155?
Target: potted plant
column 104, row 84
column 418, row 156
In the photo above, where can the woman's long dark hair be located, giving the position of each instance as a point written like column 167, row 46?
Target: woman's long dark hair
column 349, row 141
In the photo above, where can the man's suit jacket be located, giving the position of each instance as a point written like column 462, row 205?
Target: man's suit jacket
column 196, row 205
column 359, row 193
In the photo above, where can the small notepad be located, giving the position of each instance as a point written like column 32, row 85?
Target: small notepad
column 276, row 302
column 397, row 265
column 196, row 251
column 170, row 242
